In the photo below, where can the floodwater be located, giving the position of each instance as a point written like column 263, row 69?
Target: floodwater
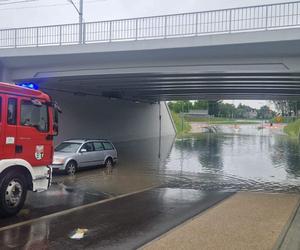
column 237, row 158
column 243, row 157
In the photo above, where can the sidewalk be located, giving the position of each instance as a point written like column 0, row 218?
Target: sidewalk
column 243, row 221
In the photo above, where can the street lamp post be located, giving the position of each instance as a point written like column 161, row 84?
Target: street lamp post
column 80, row 13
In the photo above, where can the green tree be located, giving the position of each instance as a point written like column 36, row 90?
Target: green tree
column 227, row 110
column 287, row 107
column 180, row 106
column 200, row 105
column 213, row 108
column 265, row 113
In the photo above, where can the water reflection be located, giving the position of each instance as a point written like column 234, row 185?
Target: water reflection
column 248, row 160
column 286, row 154
column 245, row 160
column 28, row 237
column 208, row 149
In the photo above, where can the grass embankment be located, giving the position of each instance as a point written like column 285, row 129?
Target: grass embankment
column 284, row 120
column 221, row 120
column 293, row 129
column 181, row 130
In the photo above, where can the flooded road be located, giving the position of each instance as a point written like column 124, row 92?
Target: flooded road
column 236, row 158
column 157, row 185
column 241, row 158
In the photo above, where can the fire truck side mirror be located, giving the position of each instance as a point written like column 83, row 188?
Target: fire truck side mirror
column 55, row 122
column 56, row 110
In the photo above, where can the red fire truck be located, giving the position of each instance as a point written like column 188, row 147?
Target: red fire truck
column 28, row 123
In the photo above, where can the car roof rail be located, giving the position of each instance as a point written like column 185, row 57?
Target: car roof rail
column 95, row 139
column 87, row 139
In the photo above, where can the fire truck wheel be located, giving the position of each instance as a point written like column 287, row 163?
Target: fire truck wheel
column 13, row 191
column 71, row 168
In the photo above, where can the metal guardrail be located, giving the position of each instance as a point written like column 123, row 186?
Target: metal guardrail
column 253, row 18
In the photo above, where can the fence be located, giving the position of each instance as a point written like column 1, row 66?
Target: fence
column 254, row 18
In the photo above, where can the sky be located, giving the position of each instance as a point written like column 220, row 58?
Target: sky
column 47, row 12
column 50, row 12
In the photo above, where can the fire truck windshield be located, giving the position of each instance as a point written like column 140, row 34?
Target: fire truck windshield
column 34, row 116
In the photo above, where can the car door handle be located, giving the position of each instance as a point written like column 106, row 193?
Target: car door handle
column 19, row 149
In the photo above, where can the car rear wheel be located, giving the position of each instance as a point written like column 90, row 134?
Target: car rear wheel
column 71, row 168
column 108, row 163
column 13, row 191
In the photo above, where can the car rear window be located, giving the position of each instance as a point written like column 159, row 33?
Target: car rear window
column 89, row 146
column 98, row 146
column 107, row 146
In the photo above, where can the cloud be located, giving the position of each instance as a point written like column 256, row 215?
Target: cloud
column 47, row 12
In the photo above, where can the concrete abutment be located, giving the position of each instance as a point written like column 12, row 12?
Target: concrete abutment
column 114, row 119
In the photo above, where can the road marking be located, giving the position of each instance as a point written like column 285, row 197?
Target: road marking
column 64, row 212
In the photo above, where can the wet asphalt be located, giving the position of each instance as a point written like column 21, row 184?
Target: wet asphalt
column 124, row 223
column 190, row 176
column 58, row 198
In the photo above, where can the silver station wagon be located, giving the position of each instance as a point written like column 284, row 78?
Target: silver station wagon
column 71, row 155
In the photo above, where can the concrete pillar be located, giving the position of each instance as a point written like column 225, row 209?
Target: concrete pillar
column 5, row 75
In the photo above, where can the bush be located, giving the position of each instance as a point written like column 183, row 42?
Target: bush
column 178, row 123
column 293, row 128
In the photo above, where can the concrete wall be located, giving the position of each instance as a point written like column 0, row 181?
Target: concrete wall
column 117, row 120
column 4, row 74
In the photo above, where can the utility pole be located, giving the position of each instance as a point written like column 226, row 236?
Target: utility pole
column 80, row 13
column 159, row 117
column 81, row 22
column 182, row 116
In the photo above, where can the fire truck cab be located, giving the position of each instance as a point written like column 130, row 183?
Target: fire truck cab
column 28, row 123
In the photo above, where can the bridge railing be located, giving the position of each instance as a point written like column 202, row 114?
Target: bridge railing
column 253, row 18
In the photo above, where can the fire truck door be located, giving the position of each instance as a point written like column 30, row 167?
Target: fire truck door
column 9, row 126
column 32, row 135
column 1, row 128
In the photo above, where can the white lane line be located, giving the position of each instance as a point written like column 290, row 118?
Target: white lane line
column 74, row 209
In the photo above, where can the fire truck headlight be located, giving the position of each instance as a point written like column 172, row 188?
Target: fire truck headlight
column 58, row 161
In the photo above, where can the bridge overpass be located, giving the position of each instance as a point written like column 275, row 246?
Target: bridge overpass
column 130, row 65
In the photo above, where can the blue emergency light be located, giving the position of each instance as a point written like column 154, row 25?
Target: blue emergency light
column 29, row 85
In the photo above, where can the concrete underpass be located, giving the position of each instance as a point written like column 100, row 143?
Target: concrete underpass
column 234, row 190
column 121, row 83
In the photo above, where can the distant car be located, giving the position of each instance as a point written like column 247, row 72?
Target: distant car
column 72, row 155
